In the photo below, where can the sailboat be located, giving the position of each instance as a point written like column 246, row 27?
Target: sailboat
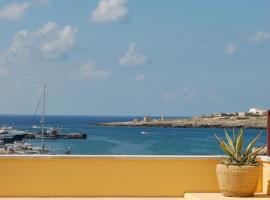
column 43, row 149
column 40, row 135
column 51, row 133
column 13, row 143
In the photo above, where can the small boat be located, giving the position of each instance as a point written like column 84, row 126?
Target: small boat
column 9, row 129
column 10, row 135
column 144, row 132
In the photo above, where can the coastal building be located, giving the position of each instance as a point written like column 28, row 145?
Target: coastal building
column 241, row 114
column 258, row 111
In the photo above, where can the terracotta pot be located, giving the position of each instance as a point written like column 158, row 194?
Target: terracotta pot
column 238, row 181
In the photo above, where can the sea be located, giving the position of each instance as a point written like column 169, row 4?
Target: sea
column 103, row 140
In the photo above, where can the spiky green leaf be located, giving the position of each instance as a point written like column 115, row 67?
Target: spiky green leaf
column 252, row 143
column 233, row 147
column 239, row 143
column 229, row 140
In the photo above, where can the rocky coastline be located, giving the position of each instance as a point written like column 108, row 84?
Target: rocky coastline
column 234, row 121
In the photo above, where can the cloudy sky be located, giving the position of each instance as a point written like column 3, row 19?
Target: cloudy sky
column 130, row 57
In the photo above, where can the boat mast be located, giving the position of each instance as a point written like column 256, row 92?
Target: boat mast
column 43, row 112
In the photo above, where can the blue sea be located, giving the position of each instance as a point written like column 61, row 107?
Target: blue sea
column 125, row 140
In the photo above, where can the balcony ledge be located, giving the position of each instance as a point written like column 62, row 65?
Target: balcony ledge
column 218, row 196
column 132, row 157
column 264, row 158
column 96, row 198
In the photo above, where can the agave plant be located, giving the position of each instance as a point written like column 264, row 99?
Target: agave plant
column 237, row 155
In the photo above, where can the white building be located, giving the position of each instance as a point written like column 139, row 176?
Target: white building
column 241, row 114
column 258, row 111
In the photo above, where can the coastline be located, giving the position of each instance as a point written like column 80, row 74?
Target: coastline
column 251, row 122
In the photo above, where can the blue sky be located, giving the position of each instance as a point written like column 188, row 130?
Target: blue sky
column 128, row 57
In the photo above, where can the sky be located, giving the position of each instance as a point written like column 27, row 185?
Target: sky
column 130, row 57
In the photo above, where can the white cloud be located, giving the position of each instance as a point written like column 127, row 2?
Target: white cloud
column 13, row 11
column 229, row 49
column 20, row 48
column 109, row 11
column 139, row 77
column 62, row 41
column 261, row 36
column 48, row 42
column 46, row 28
column 133, row 57
column 90, row 71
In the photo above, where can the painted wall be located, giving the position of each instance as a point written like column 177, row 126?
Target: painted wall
column 266, row 177
column 106, row 175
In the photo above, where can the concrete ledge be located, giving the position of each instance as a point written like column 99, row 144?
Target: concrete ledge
column 126, row 157
column 264, row 158
column 218, row 196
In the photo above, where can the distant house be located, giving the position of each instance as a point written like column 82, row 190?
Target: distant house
column 241, row 114
column 258, row 111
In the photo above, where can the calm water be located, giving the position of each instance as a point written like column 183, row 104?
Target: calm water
column 125, row 140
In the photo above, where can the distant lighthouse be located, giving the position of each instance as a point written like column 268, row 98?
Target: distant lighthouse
column 146, row 119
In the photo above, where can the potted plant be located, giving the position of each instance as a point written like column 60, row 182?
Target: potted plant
column 239, row 172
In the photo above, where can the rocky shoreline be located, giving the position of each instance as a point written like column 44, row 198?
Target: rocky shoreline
column 253, row 122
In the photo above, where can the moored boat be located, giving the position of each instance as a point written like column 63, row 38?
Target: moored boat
column 10, row 135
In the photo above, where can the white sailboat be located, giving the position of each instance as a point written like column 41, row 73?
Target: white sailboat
column 43, row 113
column 41, row 136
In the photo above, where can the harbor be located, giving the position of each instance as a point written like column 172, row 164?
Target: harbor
column 12, row 141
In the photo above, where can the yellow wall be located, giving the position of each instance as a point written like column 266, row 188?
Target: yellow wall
column 106, row 176
column 266, row 178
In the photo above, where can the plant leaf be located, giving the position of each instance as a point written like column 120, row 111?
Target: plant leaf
column 239, row 143
column 233, row 147
column 256, row 152
column 225, row 147
column 234, row 137
column 229, row 140
column 248, row 149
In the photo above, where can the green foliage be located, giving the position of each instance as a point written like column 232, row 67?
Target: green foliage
column 237, row 155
